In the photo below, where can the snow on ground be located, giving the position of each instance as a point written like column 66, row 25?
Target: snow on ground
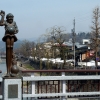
column 91, row 63
column 57, row 60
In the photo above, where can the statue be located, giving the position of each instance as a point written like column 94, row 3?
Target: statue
column 9, row 38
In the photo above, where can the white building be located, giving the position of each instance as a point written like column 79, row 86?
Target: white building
column 86, row 41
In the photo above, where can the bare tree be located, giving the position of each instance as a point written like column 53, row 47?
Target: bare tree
column 95, row 32
column 26, row 47
column 58, row 35
column 32, row 49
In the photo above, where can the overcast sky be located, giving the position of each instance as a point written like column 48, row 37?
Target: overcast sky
column 33, row 17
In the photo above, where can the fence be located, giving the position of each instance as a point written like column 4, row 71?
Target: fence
column 62, row 86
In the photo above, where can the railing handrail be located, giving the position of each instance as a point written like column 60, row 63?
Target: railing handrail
column 62, row 70
column 42, row 78
column 1, row 81
column 62, row 94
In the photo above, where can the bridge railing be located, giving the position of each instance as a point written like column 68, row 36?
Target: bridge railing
column 61, row 86
column 1, row 83
column 1, row 88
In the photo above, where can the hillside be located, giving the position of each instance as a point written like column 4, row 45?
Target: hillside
column 3, row 48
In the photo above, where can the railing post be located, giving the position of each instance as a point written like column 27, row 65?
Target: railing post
column 63, row 87
column 32, row 86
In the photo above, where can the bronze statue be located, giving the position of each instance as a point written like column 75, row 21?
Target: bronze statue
column 9, row 38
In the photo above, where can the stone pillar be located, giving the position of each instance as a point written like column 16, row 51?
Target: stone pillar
column 12, row 88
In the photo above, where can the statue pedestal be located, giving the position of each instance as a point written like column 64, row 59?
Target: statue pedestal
column 12, row 88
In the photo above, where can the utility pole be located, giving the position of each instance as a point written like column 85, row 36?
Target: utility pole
column 73, row 34
column 52, row 43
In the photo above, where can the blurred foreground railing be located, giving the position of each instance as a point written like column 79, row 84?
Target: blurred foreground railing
column 1, row 87
column 61, row 86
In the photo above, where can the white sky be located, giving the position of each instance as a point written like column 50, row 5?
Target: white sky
column 33, row 17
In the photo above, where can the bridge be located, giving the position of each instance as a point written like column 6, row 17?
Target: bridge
column 57, row 84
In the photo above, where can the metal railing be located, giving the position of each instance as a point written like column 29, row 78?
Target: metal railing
column 1, row 88
column 68, row 86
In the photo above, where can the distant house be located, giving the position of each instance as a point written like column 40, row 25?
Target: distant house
column 81, row 51
column 86, row 41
